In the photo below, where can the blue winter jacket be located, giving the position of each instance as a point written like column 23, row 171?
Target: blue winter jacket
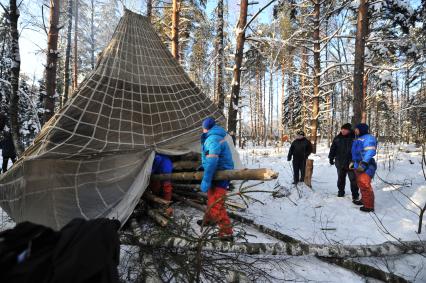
column 363, row 151
column 215, row 155
column 162, row 164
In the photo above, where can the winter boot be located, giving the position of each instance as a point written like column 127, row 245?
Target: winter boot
column 365, row 209
column 208, row 223
column 341, row 194
column 357, row 202
column 294, row 183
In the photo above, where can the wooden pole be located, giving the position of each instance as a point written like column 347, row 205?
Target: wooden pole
column 308, row 172
column 186, row 165
column 244, row 174
column 157, row 217
column 150, row 197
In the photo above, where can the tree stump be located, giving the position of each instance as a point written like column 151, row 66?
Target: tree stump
column 308, row 172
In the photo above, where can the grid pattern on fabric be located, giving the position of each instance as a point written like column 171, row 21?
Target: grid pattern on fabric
column 96, row 152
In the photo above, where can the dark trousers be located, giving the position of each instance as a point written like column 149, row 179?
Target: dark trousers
column 299, row 165
column 6, row 161
column 341, row 181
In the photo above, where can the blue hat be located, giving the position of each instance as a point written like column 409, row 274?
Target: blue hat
column 363, row 129
column 208, row 123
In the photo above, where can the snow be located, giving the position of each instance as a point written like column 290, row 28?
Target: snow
column 319, row 208
column 318, row 216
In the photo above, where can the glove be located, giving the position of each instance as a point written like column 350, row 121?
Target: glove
column 289, row 158
column 205, row 186
column 360, row 169
column 362, row 166
column 331, row 160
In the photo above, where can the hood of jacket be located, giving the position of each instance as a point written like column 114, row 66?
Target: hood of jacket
column 216, row 131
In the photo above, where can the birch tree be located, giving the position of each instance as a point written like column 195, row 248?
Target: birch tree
column 14, row 76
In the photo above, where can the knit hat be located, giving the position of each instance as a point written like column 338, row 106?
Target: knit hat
column 300, row 133
column 363, row 129
column 347, row 126
column 208, row 123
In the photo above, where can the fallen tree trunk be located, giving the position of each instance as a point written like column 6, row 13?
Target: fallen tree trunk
column 153, row 198
column 292, row 249
column 186, row 165
column 190, row 203
column 157, row 217
column 243, row 174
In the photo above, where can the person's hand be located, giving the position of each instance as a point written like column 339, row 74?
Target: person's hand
column 331, row 160
column 204, row 186
column 360, row 169
column 351, row 166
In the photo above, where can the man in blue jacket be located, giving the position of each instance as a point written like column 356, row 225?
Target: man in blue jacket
column 363, row 150
column 215, row 155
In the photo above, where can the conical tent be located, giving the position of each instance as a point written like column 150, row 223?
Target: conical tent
column 93, row 158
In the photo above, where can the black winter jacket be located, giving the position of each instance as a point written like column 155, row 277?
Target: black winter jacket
column 300, row 149
column 340, row 150
column 7, row 146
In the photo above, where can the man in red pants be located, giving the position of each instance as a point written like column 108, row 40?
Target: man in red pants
column 216, row 155
column 363, row 152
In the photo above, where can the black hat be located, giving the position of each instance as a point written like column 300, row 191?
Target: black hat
column 300, row 133
column 363, row 129
column 347, row 126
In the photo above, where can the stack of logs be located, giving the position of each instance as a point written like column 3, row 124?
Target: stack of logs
column 186, row 187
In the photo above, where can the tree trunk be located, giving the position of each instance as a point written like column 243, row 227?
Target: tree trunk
column 292, row 249
column 92, row 34
column 361, row 34
column 220, row 56
column 68, row 53
column 236, row 78
column 75, row 67
column 14, row 77
column 52, row 58
column 317, row 71
column 282, row 124
column 149, row 9
column 186, row 165
column 175, row 28
column 364, row 98
column 243, row 174
column 309, row 172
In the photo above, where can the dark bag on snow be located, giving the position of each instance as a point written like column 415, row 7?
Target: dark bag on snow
column 83, row 251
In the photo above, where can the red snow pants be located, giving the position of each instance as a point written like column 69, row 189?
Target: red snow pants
column 217, row 212
column 367, row 194
column 163, row 189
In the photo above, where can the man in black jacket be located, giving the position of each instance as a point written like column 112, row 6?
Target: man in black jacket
column 340, row 155
column 300, row 149
column 8, row 150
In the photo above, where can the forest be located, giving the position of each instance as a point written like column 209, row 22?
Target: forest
column 287, row 65
column 269, row 74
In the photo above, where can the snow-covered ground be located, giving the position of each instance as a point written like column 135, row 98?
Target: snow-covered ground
column 317, row 215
